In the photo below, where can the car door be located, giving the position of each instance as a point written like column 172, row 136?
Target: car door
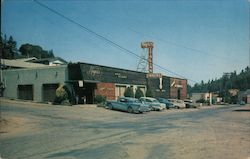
column 123, row 104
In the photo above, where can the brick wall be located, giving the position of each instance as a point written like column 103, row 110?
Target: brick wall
column 106, row 89
column 174, row 84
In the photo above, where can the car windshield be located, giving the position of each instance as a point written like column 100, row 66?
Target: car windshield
column 155, row 101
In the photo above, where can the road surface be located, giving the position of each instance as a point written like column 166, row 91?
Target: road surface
column 30, row 130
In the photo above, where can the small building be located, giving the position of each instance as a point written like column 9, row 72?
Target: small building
column 52, row 61
column 244, row 96
column 36, row 84
column 178, row 88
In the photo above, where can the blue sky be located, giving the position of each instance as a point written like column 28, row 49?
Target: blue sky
column 198, row 39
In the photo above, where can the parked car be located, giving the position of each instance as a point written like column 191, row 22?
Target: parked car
column 166, row 102
column 189, row 103
column 242, row 103
column 178, row 103
column 131, row 105
column 153, row 103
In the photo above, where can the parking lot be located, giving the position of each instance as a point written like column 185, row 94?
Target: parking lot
column 31, row 130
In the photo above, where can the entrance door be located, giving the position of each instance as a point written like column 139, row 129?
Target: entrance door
column 49, row 92
column 179, row 94
column 87, row 92
column 25, row 92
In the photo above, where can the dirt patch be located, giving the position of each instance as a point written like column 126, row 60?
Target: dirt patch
column 13, row 126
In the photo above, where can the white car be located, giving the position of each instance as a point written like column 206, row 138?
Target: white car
column 153, row 103
column 178, row 103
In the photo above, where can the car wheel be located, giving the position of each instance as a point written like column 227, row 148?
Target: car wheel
column 130, row 110
column 177, row 107
column 110, row 106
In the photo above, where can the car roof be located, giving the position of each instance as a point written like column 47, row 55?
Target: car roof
column 129, row 98
column 148, row 98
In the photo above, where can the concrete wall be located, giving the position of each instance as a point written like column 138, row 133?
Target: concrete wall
column 35, row 76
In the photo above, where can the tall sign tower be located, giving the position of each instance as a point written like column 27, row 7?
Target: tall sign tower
column 149, row 46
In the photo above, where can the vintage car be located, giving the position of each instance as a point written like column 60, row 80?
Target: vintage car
column 189, row 103
column 153, row 103
column 178, row 103
column 167, row 102
column 131, row 105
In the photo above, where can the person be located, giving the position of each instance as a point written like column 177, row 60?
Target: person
column 77, row 99
column 84, row 99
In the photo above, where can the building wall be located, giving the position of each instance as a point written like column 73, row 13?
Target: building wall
column 178, row 84
column 106, row 89
column 36, row 77
column 155, row 83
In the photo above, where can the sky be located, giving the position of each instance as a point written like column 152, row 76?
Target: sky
column 197, row 39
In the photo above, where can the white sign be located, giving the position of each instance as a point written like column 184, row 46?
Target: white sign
column 80, row 83
column 178, row 86
column 160, row 86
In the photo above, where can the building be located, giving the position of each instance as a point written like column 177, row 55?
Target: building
column 85, row 81
column 89, row 80
column 244, row 96
column 19, row 63
column 37, row 84
column 178, row 88
column 31, row 62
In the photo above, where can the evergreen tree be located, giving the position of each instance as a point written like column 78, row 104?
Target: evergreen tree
column 139, row 93
column 129, row 92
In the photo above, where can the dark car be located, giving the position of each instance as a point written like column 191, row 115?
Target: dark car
column 166, row 102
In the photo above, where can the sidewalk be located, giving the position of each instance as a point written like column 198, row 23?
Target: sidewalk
column 34, row 103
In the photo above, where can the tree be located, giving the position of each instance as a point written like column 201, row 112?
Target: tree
column 139, row 93
column 8, row 48
column 129, row 92
column 29, row 50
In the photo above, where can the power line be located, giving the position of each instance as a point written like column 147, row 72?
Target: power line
column 106, row 39
column 185, row 47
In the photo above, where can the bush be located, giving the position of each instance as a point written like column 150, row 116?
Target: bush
column 61, row 95
column 139, row 93
column 100, row 99
column 129, row 92
column 149, row 92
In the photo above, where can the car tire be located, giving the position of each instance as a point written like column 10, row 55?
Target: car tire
column 130, row 110
column 177, row 107
column 110, row 106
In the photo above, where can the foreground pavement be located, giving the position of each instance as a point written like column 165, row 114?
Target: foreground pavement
column 30, row 130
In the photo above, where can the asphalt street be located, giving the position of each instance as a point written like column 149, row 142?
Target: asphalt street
column 46, row 131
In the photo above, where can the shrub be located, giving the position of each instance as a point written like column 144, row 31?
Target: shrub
column 129, row 92
column 139, row 93
column 61, row 95
column 100, row 99
column 149, row 92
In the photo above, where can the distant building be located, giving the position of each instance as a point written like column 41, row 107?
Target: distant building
column 32, row 62
column 19, row 63
column 244, row 96
column 178, row 88
column 203, row 96
column 53, row 61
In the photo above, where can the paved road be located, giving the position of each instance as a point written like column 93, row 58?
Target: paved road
column 43, row 131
